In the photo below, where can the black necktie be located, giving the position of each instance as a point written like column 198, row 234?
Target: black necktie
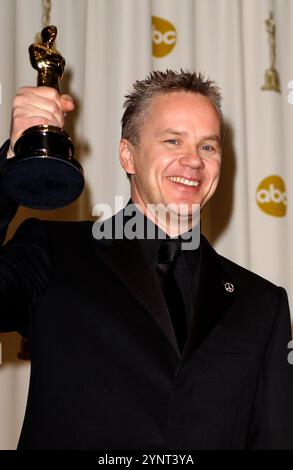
column 169, row 253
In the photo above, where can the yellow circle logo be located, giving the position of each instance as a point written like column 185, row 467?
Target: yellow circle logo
column 163, row 36
column 271, row 196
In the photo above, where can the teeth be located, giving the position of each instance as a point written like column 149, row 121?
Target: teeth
column 178, row 179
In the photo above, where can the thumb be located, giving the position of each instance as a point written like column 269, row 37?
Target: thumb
column 67, row 103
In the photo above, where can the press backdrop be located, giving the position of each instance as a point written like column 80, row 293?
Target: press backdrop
column 110, row 43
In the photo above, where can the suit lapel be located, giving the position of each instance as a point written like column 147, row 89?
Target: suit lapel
column 216, row 291
column 126, row 259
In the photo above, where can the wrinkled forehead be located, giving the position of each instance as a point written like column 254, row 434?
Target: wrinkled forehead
column 181, row 109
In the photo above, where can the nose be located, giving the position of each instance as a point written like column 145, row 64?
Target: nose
column 191, row 159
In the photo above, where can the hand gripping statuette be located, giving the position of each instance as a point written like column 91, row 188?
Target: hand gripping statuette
column 43, row 174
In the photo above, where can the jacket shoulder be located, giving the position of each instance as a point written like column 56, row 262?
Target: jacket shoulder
column 241, row 274
column 245, row 275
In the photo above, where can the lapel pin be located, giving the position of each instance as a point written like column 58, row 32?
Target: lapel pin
column 229, row 287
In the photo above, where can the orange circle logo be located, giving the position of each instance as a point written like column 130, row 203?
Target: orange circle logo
column 163, row 36
column 271, row 196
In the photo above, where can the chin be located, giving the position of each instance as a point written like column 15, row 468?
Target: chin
column 187, row 201
column 185, row 208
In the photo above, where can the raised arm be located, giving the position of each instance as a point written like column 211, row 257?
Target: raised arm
column 25, row 260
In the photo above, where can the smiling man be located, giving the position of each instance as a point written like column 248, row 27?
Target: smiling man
column 171, row 141
column 136, row 342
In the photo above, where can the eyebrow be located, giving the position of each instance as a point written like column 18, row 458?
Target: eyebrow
column 171, row 131
column 214, row 137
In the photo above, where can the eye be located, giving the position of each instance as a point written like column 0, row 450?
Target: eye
column 172, row 141
column 208, row 148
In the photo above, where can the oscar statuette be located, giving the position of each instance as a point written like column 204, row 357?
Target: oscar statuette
column 43, row 173
column 272, row 80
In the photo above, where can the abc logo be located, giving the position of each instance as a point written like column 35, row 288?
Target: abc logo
column 271, row 196
column 163, row 36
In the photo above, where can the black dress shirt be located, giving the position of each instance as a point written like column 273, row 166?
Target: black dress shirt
column 187, row 269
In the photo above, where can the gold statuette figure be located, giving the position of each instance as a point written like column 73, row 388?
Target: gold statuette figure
column 47, row 60
column 272, row 82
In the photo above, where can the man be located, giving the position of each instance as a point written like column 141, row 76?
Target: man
column 114, row 362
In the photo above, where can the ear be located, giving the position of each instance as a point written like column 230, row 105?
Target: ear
column 126, row 152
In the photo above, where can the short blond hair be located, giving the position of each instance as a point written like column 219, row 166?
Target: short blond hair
column 160, row 82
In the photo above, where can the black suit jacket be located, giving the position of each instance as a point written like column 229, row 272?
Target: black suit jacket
column 106, row 372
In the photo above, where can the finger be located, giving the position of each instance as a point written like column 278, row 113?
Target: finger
column 42, row 91
column 22, row 119
column 38, row 102
column 25, row 105
column 21, row 114
column 42, row 97
column 67, row 103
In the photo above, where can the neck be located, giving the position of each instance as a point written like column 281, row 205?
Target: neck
column 173, row 223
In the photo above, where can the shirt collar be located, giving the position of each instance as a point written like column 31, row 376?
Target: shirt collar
column 151, row 246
